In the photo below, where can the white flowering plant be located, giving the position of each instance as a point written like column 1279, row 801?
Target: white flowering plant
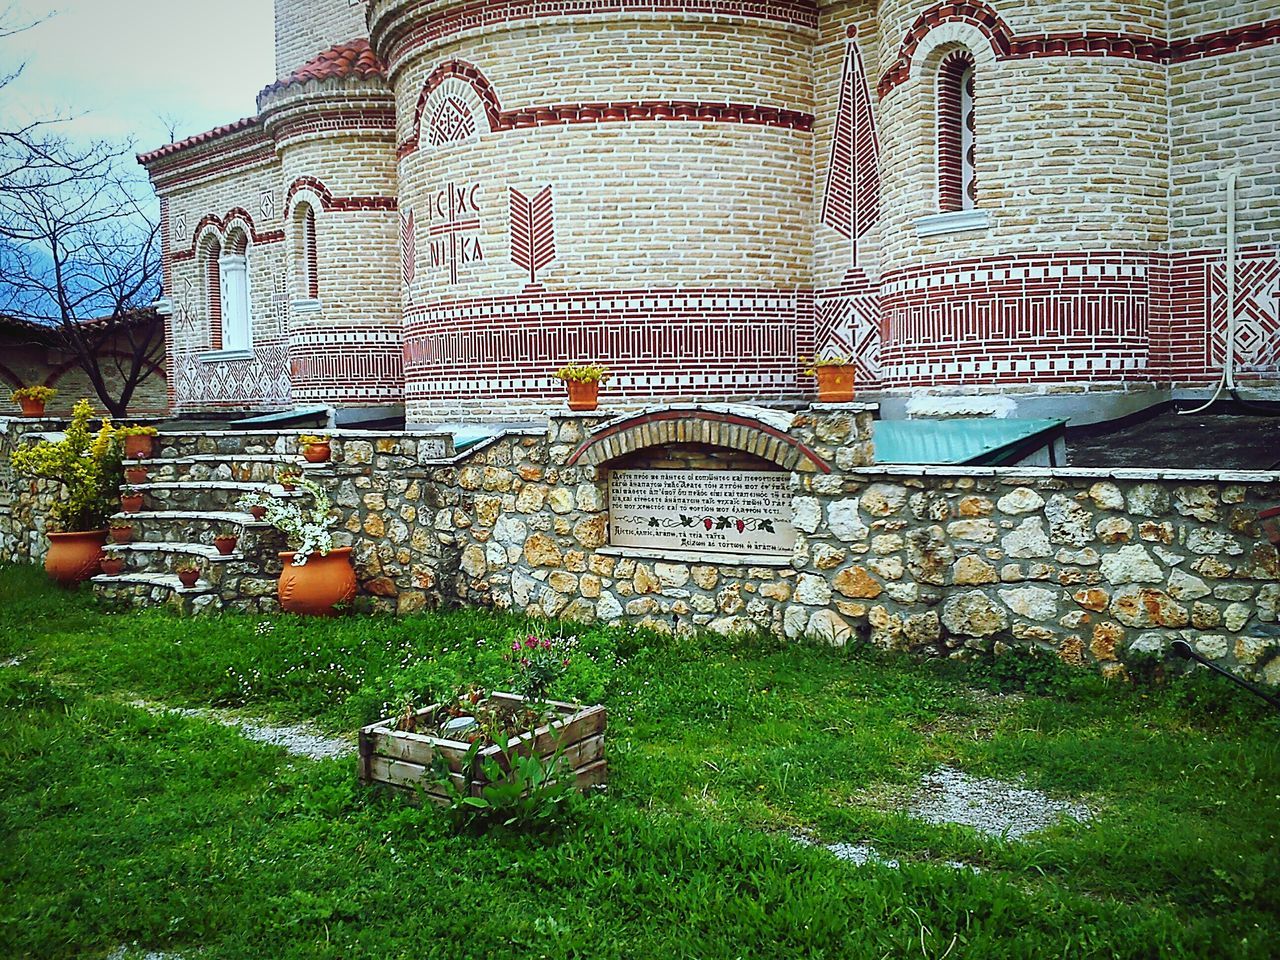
column 306, row 525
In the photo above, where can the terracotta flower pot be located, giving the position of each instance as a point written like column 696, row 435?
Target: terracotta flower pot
column 32, row 407
column 73, row 557
column 226, row 545
column 289, row 485
column 188, row 577
column 835, row 383
column 257, row 512
column 315, row 588
column 121, row 534
column 131, row 504
column 316, row 452
column 135, row 475
column 583, row 394
column 138, row 447
column 112, row 565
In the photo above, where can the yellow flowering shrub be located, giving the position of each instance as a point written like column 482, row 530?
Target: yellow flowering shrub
column 85, row 463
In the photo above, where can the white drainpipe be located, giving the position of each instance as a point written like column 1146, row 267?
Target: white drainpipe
column 1228, row 379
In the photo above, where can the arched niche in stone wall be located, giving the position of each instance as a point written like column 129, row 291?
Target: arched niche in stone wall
column 702, row 484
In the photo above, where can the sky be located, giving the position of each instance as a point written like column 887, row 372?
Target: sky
column 114, row 68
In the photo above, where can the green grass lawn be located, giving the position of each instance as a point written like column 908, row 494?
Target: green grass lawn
column 120, row 826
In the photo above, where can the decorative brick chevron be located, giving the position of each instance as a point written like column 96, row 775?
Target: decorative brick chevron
column 697, row 426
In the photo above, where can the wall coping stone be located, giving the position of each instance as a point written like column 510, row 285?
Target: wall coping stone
column 778, row 419
column 1066, row 473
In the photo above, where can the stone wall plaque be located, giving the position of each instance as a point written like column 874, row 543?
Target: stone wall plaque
column 704, row 511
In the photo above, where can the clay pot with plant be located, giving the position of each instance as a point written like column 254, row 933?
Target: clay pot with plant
column 121, row 531
column 188, row 572
column 315, row 448
column 139, row 442
column 135, row 475
column 1271, row 523
column 86, row 467
column 317, row 578
column 32, row 400
column 582, row 381
column 130, row 499
column 835, row 376
column 112, row 564
column 288, row 477
column 226, row 543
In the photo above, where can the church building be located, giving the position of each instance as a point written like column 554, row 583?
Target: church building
column 440, row 202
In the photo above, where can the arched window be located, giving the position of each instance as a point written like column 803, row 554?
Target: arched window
column 306, row 255
column 233, row 281
column 957, row 183
column 212, row 251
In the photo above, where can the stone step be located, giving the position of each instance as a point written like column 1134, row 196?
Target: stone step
column 204, row 551
column 149, row 589
column 206, row 496
column 219, row 468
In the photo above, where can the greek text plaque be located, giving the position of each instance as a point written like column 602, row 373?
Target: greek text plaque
column 707, row 511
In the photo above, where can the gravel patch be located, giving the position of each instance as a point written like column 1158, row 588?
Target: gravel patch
column 993, row 807
column 11, row 662
column 131, row 953
column 299, row 739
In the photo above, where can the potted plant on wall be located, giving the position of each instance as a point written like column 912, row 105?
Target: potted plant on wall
column 86, row 466
column 121, row 531
column 835, row 378
column 130, row 499
column 112, row 564
column 32, row 400
column 582, row 381
column 226, row 541
column 138, row 441
column 317, row 577
column 315, row 447
column 288, row 477
column 135, row 474
column 188, row 572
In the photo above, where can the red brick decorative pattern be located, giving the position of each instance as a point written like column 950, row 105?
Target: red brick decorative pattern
column 347, row 363
column 430, row 25
column 1008, row 46
column 696, row 426
column 329, row 202
column 1022, row 319
column 851, row 201
column 663, row 342
column 222, row 224
column 951, row 167
column 566, row 113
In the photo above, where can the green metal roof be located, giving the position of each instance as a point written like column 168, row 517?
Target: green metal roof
column 977, row 441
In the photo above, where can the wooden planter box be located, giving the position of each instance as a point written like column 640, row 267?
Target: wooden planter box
column 407, row 760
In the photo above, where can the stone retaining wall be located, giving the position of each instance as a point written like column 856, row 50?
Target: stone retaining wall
column 1096, row 565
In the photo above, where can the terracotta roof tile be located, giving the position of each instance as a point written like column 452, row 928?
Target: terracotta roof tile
column 355, row 58
column 172, row 148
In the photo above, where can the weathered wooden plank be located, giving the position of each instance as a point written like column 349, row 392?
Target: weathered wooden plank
column 543, row 740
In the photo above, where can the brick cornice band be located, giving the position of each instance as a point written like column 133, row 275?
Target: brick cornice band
column 422, row 26
column 1008, row 46
column 697, row 426
column 603, row 112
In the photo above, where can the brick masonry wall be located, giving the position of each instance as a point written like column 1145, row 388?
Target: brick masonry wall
column 306, row 27
column 26, row 365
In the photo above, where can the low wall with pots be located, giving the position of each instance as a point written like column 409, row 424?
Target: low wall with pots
column 1103, row 567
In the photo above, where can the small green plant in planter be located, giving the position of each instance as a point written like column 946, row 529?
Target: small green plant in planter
column 112, row 564
column 32, row 400
column 226, row 541
column 121, row 531
column 537, row 662
column 289, row 477
column 582, row 380
column 138, row 441
column 188, row 572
